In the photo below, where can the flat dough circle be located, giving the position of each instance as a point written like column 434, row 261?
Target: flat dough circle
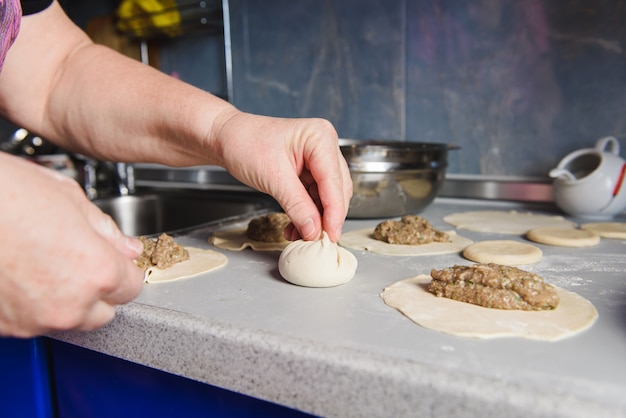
column 504, row 222
column 506, row 252
column 412, row 298
column 200, row 261
column 616, row 230
column 237, row 240
column 563, row 236
column 363, row 239
column 320, row 263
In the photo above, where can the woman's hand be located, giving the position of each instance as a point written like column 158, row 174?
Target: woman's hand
column 297, row 161
column 64, row 264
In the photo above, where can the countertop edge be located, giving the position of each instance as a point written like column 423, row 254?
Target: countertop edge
column 294, row 372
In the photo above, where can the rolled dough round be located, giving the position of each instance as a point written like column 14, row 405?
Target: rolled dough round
column 200, row 261
column 363, row 239
column 320, row 263
column 504, row 222
column 616, row 230
column 237, row 240
column 412, row 298
column 563, row 236
column 506, row 252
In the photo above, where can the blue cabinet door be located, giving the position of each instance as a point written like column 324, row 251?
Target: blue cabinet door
column 91, row 384
column 25, row 389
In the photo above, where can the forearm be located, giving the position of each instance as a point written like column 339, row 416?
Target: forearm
column 100, row 103
column 91, row 100
column 133, row 112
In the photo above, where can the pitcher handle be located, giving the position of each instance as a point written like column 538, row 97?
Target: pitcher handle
column 610, row 142
column 562, row 173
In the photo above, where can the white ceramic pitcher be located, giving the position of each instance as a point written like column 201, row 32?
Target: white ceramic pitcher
column 590, row 183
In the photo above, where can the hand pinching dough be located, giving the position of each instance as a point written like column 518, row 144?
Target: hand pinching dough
column 319, row 263
column 563, row 236
column 616, row 230
column 508, row 252
column 504, row 222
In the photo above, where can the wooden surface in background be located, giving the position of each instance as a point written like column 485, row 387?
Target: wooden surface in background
column 102, row 31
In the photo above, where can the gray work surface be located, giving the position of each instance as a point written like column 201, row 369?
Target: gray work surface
column 342, row 352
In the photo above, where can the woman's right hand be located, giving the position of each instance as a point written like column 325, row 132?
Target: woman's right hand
column 63, row 263
column 297, row 161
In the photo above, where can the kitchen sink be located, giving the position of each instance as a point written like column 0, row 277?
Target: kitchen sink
column 151, row 212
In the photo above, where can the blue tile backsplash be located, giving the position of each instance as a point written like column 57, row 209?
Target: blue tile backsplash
column 516, row 84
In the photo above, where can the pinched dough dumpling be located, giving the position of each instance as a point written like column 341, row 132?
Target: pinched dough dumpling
column 319, row 263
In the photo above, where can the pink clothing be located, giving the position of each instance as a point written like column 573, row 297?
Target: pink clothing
column 10, row 18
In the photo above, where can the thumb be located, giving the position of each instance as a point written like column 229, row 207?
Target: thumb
column 104, row 225
column 302, row 211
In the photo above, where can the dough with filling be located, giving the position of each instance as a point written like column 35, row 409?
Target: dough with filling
column 412, row 298
column 319, row 263
column 616, row 230
column 563, row 236
column 200, row 261
column 504, row 222
column 505, row 252
column 363, row 239
column 237, row 240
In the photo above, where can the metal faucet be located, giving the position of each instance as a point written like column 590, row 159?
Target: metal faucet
column 124, row 176
column 90, row 170
column 121, row 174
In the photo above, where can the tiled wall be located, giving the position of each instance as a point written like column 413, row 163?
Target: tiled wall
column 517, row 84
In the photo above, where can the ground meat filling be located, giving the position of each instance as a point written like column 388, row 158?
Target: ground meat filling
column 409, row 230
column 268, row 228
column 161, row 253
column 494, row 286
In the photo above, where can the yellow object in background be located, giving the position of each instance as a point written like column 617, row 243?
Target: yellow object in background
column 142, row 18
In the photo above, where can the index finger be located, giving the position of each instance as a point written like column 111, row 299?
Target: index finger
column 119, row 278
column 334, row 185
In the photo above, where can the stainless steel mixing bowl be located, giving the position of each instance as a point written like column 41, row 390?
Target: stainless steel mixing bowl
column 393, row 178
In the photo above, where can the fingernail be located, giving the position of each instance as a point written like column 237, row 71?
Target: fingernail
column 134, row 244
column 308, row 228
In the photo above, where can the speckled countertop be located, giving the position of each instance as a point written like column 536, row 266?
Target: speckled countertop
column 342, row 352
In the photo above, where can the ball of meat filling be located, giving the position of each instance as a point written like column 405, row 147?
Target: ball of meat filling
column 268, row 228
column 161, row 253
column 410, row 230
